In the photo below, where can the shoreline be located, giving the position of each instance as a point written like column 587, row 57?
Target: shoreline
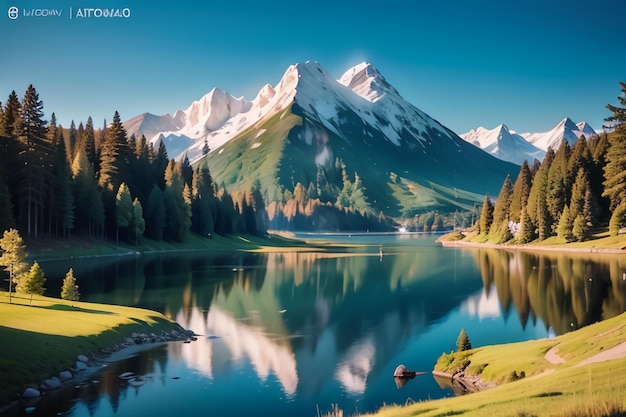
column 528, row 248
column 91, row 364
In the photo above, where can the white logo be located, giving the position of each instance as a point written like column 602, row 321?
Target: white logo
column 13, row 13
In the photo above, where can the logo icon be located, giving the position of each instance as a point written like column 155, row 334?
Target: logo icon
column 13, row 13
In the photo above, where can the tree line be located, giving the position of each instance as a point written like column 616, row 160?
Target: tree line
column 90, row 182
column 569, row 193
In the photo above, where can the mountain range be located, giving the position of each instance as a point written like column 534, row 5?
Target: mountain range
column 313, row 129
column 510, row 146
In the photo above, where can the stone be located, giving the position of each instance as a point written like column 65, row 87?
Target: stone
column 51, row 383
column 30, row 393
column 83, row 358
column 80, row 366
column 65, row 375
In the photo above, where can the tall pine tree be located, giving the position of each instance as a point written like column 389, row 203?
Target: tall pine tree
column 615, row 169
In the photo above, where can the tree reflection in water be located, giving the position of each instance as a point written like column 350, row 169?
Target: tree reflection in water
column 566, row 291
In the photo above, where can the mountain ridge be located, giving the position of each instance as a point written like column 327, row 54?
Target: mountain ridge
column 515, row 147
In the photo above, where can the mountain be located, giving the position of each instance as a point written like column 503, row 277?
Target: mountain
column 352, row 143
column 504, row 144
column 196, row 123
column 565, row 129
column 509, row 146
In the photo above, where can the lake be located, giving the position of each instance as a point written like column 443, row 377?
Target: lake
column 296, row 333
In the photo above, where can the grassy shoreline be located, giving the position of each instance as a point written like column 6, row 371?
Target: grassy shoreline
column 576, row 386
column 44, row 338
column 600, row 243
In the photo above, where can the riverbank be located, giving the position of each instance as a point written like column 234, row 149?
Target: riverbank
column 45, row 249
column 579, row 373
column 601, row 243
column 44, row 339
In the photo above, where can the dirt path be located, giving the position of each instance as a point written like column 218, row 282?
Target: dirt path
column 615, row 352
column 553, row 357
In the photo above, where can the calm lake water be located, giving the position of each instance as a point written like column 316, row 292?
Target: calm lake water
column 288, row 334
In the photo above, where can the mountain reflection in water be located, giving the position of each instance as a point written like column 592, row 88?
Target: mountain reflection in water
column 293, row 331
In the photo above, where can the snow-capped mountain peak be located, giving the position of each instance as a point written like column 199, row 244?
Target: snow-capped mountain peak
column 366, row 81
column 566, row 129
column 503, row 144
column 361, row 91
column 510, row 146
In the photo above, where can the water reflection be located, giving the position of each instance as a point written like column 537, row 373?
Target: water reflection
column 565, row 291
column 290, row 331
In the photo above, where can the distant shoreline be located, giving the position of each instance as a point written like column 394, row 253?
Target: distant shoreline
column 528, row 248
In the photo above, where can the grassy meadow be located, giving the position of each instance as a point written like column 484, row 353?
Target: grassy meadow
column 42, row 339
column 571, row 388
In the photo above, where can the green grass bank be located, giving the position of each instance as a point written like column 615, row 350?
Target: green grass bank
column 584, row 375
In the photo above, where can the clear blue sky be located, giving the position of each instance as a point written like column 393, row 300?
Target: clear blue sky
column 466, row 63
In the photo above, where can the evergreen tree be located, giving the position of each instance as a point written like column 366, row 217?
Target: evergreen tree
column 486, row 216
column 520, row 193
column 69, row 290
column 155, row 214
column 6, row 207
column 10, row 115
column 138, row 224
column 159, row 165
column 88, row 143
column 201, row 201
column 123, row 208
column 618, row 219
column 501, row 211
column 537, row 209
column 114, row 156
column 32, row 283
column 580, row 230
column 61, row 190
column 581, row 202
column 31, row 131
column 556, row 196
column 463, row 342
column 71, row 139
column 564, row 228
column 526, row 232
column 13, row 257
column 615, row 168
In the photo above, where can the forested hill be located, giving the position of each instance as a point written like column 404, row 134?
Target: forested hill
column 93, row 182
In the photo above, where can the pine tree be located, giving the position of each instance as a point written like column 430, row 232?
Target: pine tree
column 520, row 193
column 88, row 142
column 155, row 214
column 556, row 196
column 615, row 169
column 159, row 165
column 33, row 282
column 62, row 193
column 13, row 257
column 581, row 202
column 463, row 342
column 201, row 201
column 486, row 216
column 580, row 229
column 618, row 219
column 564, row 228
column 69, row 290
column 72, row 139
column 114, row 156
column 6, row 207
column 138, row 224
column 501, row 212
column 123, row 208
column 30, row 130
column 526, row 232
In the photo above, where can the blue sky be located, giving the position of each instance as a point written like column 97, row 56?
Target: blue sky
column 466, row 63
